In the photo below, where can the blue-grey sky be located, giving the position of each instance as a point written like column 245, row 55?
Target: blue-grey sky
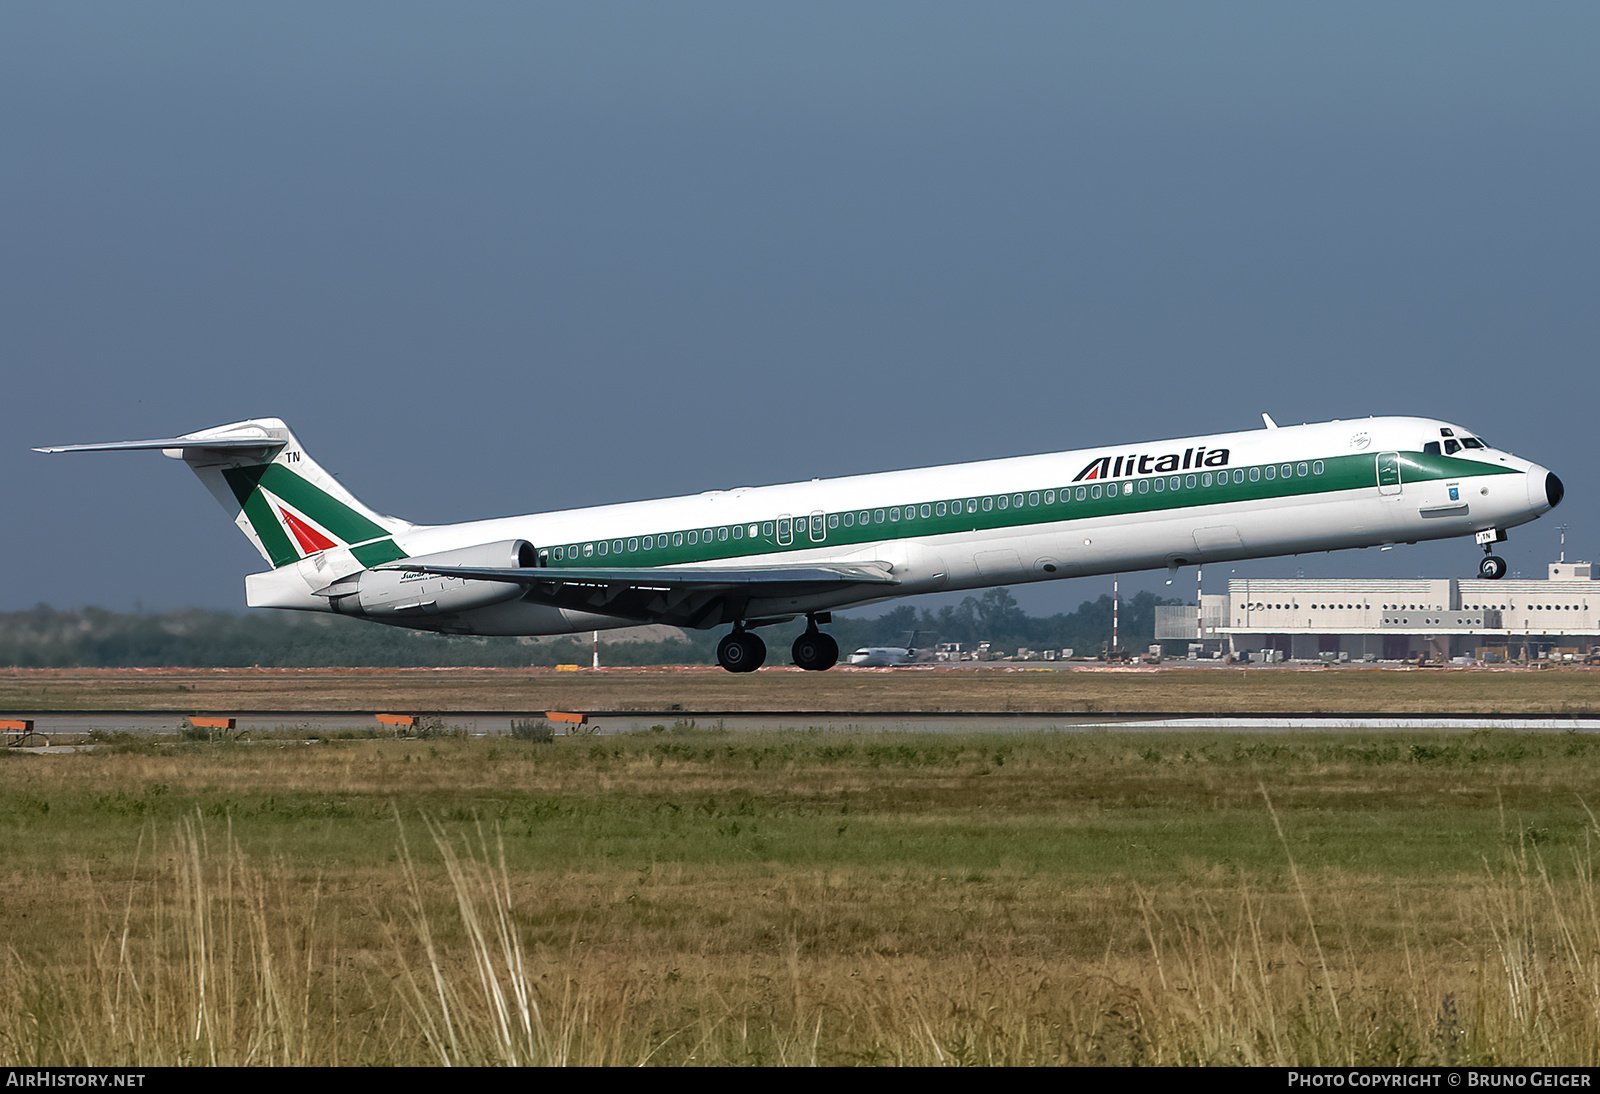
column 489, row 258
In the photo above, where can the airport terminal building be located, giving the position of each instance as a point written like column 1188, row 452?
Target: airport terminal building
column 1395, row 620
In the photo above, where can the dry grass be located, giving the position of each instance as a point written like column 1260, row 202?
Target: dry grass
column 707, row 898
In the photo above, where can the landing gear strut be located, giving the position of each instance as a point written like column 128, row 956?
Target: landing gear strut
column 815, row 651
column 1493, row 567
column 741, row 650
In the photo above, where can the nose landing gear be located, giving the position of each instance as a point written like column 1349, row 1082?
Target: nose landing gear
column 1493, row 567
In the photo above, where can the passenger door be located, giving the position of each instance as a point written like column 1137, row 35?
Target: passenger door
column 1388, row 473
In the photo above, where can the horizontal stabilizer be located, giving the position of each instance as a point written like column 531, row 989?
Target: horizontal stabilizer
column 288, row 506
column 218, row 443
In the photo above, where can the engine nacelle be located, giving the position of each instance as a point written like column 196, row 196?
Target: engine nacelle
column 381, row 593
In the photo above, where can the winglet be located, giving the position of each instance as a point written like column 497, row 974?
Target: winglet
column 1265, row 417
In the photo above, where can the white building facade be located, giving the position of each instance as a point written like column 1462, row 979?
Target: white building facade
column 1392, row 620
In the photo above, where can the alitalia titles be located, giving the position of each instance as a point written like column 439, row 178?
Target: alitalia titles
column 1137, row 463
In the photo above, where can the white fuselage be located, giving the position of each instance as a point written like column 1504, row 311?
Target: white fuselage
column 1149, row 505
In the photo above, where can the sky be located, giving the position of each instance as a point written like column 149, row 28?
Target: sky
column 493, row 258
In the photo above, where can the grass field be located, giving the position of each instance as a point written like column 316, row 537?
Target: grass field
column 689, row 896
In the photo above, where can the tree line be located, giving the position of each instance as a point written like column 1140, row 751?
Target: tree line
column 46, row 637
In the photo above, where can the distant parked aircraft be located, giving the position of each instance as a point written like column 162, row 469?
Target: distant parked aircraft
column 873, row 657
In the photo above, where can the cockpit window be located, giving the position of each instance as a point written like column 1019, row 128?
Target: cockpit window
column 1451, row 447
column 1472, row 442
column 1431, row 448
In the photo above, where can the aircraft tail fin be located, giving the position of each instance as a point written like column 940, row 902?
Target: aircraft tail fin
column 287, row 505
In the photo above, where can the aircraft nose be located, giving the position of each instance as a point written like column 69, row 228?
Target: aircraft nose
column 1545, row 490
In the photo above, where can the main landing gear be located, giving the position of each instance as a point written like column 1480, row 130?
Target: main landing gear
column 815, row 651
column 1493, row 567
column 743, row 651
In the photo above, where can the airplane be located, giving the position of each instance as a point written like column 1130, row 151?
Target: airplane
column 758, row 556
column 882, row 657
column 879, row 657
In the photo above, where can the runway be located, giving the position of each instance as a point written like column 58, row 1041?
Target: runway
column 77, row 725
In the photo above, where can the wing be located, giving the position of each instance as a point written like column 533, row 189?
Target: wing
column 685, row 596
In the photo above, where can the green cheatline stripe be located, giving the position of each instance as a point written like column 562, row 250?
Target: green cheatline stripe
column 1340, row 473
